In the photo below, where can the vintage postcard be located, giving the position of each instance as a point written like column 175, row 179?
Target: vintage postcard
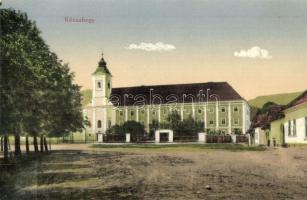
column 153, row 99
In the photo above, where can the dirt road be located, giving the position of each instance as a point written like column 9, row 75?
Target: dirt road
column 79, row 172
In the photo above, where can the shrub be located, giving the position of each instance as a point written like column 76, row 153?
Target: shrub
column 135, row 129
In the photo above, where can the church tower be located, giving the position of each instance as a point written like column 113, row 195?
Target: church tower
column 102, row 84
column 101, row 91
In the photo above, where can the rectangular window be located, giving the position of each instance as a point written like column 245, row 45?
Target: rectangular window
column 132, row 113
column 211, row 122
column 223, row 121
column 199, row 111
column 235, row 109
column 99, row 85
column 236, row 121
column 223, row 109
column 294, row 128
column 289, row 128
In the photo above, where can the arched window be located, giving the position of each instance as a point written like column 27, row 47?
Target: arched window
column 99, row 84
column 99, row 124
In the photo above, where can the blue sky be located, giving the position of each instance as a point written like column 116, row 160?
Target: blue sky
column 205, row 35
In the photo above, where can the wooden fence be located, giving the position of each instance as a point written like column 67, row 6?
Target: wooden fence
column 185, row 138
column 218, row 139
column 114, row 138
column 241, row 139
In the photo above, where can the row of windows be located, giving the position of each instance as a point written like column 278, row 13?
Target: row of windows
column 99, row 124
column 212, row 122
column 165, row 111
column 235, row 122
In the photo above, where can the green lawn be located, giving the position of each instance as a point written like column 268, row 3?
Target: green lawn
column 181, row 147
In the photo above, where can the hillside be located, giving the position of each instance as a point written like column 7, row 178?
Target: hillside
column 86, row 97
column 281, row 99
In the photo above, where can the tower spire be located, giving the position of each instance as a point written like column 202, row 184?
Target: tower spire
column 102, row 66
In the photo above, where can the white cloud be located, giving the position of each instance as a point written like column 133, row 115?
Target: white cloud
column 159, row 46
column 254, row 52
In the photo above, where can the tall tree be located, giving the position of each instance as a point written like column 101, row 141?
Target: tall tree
column 37, row 91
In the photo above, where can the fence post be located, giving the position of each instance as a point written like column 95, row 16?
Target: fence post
column 170, row 136
column 249, row 139
column 100, row 137
column 234, row 138
column 157, row 136
column 202, row 137
column 127, row 137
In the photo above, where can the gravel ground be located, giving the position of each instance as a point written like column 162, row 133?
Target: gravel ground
column 81, row 172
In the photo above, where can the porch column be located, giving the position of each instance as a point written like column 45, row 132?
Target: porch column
column 205, row 116
column 229, row 118
column 148, row 116
column 216, row 115
column 193, row 111
column 137, row 113
column 126, row 114
column 159, row 114
column 181, row 112
column 243, row 118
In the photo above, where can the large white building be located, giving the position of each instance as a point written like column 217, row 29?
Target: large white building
column 216, row 104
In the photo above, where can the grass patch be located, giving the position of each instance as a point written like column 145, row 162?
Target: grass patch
column 180, row 147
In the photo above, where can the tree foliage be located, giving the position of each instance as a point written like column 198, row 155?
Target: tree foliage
column 135, row 129
column 185, row 127
column 38, row 96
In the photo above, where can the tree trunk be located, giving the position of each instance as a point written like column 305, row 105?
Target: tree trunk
column 1, row 143
column 8, row 143
column 41, row 144
column 17, row 145
column 35, row 144
column 27, row 144
column 6, row 150
column 45, row 144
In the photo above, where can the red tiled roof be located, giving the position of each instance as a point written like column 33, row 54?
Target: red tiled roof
column 216, row 90
column 298, row 100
